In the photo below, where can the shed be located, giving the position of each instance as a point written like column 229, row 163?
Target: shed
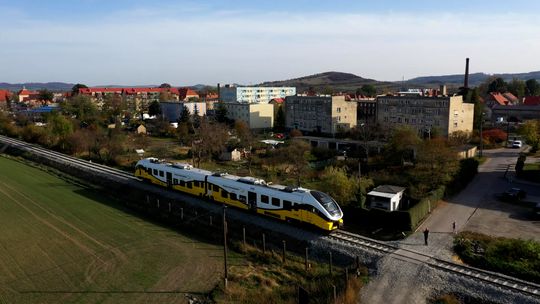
column 141, row 129
column 386, row 197
column 234, row 155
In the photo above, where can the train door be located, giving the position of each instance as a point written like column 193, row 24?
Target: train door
column 169, row 179
column 252, row 201
column 306, row 212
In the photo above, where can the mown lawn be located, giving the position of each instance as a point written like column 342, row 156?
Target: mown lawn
column 62, row 243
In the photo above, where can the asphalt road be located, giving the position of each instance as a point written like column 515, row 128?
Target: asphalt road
column 477, row 209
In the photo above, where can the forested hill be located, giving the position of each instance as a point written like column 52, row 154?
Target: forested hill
column 337, row 81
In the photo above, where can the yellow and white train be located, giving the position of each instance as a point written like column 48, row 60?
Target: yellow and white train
column 285, row 203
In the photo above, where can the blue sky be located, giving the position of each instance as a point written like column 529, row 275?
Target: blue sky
column 188, row 42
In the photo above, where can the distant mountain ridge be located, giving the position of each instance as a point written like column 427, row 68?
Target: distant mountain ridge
column 64, row 87
column 337, row 81
column 51, row 86
column 475, row 79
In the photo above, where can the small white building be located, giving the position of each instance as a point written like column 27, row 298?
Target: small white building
column 234, row 155
column 386, row 197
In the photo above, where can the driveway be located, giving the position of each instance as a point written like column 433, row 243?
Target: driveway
column 473, row 209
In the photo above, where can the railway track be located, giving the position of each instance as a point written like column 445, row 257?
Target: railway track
column 488, row 277
column 339, row 236
column 98, row 168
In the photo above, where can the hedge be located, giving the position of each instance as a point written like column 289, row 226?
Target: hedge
column 419, row 211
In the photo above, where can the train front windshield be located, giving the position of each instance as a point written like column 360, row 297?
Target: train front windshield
column 327, row 202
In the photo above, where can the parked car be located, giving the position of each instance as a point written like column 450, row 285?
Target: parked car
column 517, row 144
column 514, row 194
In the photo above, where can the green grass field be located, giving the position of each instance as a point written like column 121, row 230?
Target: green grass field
column 61, row 243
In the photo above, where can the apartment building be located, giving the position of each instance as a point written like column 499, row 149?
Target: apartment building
column 256, row 115
column 446, row 113
column 320, row 114
column 230, row 93
column 173, row 110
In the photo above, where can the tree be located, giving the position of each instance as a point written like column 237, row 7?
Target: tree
column 243, row 132
column 82, row 107
column 517, row 87
column 45, row 95
column 328, row 90
column 532, row 87
column 459, row 138
column 498, row 85
column 403, row 146
column 209, row 141
column 530, row 130
column 185, row 116
column 368, row 90
column 75, row 89
column 294, row 158
column 165, row 86
column 435, row 166
column 221, row 113
column 338, row 185
column 279, row 123
column 195, row 117
column 182, row 132
column 165, row 96
column 59, row 128
column 113, row 106
column 154, row 109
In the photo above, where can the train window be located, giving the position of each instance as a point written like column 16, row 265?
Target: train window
column 175, row 181
column 161, row 173
column 216, row 188
column 155, row 172
column 196, row 183
column 189, row 185
column 243, row 198
column 264, row 199
column 233, row 196
column 287, row 204
column 182, row 183
column 224, row 193
column 149, row 170
column 275, row 201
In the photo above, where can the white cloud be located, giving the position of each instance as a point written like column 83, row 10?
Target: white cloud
column 187, row 47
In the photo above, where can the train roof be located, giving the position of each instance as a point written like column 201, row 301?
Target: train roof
column 176, row 165
column 259, row 182
column 241, row 179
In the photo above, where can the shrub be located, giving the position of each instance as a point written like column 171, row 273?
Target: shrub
column 513, row 257
column 494, row 135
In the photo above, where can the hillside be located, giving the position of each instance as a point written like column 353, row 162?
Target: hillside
column 475, row 79
column 51, row 86
column 338, row 81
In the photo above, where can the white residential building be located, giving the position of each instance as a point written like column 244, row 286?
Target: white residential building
column 230, row 93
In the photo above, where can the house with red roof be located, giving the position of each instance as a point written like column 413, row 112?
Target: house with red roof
column 186, row 93
column 27, row 95
column 531, row 101
column 496, row 98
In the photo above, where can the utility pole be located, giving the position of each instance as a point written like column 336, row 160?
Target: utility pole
column 225, row 279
